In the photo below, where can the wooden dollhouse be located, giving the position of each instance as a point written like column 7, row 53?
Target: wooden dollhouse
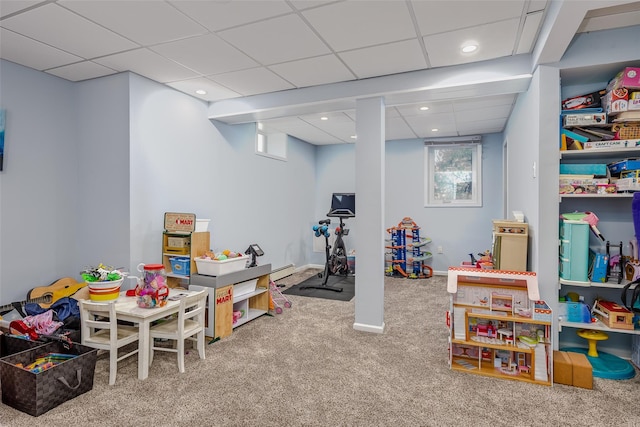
column 496, row 326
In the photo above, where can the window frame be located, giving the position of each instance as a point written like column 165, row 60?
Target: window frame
column 430, row 170
column 273, row 148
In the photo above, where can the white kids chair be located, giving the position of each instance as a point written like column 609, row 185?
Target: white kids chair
column 189, row 325
column 100, row 329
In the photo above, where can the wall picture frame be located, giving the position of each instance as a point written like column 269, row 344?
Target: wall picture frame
column 2, row 127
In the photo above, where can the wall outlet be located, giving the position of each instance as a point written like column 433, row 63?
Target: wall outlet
column 440, row 250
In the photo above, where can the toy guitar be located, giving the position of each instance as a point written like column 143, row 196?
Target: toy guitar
column 47, row 295
column 61, row 288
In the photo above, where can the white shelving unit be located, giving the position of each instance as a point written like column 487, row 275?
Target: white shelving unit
column 223, row 301
column 241, row 303
column 608, row 204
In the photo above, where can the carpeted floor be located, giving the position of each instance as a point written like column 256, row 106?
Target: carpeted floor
column 346, row 283
column 309, row 367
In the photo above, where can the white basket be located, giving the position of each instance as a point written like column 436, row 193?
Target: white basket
column 244, row 287
column 210, row 267
column 202, row 224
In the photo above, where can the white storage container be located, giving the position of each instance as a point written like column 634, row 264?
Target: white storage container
column 210, row 267
column 244, row 287
column 202, row 224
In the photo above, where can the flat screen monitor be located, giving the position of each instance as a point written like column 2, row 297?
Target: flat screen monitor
column 343, row 205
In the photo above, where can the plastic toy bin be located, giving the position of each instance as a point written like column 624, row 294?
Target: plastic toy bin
column 180, row 265
column 244, row 287
column 210, row 267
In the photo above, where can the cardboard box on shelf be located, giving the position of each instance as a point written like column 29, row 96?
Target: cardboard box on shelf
column 628, row 77
column 589, row 100
column 621, row 100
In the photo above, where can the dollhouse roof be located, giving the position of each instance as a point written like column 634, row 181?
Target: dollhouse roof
column 525, row 278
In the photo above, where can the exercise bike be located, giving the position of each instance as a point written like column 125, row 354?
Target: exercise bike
column 336, row 259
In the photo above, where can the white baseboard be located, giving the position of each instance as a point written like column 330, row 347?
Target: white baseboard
column 282, row 272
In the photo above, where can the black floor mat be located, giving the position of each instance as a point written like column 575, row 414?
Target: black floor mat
column 347, row 283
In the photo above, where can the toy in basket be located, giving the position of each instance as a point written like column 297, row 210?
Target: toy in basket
column 277, row 298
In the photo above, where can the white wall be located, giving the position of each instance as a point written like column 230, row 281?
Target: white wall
column 102, row 172
column 182, row 162
column 91, row 168
column 459, row 231
column 39, row 183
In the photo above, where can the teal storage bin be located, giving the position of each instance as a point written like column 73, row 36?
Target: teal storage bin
column 584, row 169
column 574, row 251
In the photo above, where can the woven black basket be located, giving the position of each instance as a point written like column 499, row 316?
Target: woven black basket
column 37, row 393
column 10, row 344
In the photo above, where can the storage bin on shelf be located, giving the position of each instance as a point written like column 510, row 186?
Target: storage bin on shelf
column 210, row 267
column 180, row 265
column 244, row 287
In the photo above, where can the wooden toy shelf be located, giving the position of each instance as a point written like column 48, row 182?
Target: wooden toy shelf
column 224, row 300
column 498, row 326
column 195, row 245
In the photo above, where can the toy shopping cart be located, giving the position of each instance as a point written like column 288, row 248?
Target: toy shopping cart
column 278, row 298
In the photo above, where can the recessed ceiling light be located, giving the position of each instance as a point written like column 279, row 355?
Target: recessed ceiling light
column 424, row 108
column 201, row 92
column 324, row 118
column 468, row 48
column 354, row 137
column 434, row 130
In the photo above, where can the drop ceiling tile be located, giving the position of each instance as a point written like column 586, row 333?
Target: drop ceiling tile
column 529, row 32
column 332, row 117
column 307, row 4
column 219, row 15
column 144, row 22
column 7, row 7
column 148, row 64
column 339, row 125
column 81, row 71
column 484, row 102
column 30, row 53
column 61, row 28
column 340, row 130
column 486, row 113
column 434, row 108
column 313, row 71
column 207, row 54
column 215, row 92
column 397, row 128
column 252, row 81
column 300, row 129
column 495, row 40
column 385, row 59
column 484, row 126
column 434, row 17
column 423, row 125
column 536, row 5
column 355, row 24
column 276, row 40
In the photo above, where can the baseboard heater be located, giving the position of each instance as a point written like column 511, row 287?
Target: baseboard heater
column 282, row 272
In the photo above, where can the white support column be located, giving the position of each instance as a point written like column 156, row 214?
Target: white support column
column 370, row 185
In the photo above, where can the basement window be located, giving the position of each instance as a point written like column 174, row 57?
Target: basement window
column 453, row 173
column 273, row 145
